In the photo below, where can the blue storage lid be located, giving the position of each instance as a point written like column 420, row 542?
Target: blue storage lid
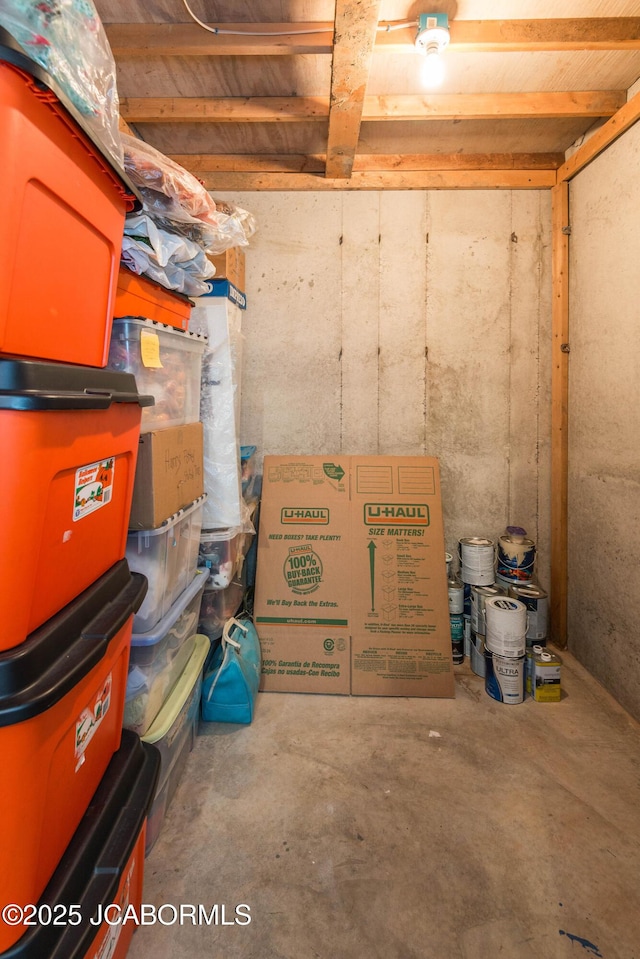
column 170, row 618
column 93, row 864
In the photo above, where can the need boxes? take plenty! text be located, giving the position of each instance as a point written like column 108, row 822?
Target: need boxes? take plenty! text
column 351, row 590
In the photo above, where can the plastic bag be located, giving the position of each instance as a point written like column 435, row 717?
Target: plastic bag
column 232, row 679
column 67, row 38
column 174, row 261
column 177, row 199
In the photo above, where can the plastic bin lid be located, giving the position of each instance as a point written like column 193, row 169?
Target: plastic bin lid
column 38, row 385
column 175, row 611
column 219, row 535
column 54, row 658
column 94, row 861
column 11, row 52
column 171, row 521
column 189, row 336
column 180, row 693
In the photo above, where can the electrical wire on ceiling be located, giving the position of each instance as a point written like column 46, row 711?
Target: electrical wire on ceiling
column 385, row 28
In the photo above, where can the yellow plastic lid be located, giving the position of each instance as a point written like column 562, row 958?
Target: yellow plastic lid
column 180, row 692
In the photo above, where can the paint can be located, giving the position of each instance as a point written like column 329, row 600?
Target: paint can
column 479, row 596
column 545, row 677
column 477, row 560
column 448, row 558
column 506, row 626
column 466, row 623
column 504, row 677
column 535, row 599
column 456, row 595
column 467, row 599
column 516, row 555
column 456, row 626
column 477, row 654
column 532, row 651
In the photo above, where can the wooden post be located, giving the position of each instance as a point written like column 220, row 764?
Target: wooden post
column 559, row 411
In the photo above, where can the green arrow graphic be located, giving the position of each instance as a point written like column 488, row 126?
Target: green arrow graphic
column 333, row 472
column 372, row 569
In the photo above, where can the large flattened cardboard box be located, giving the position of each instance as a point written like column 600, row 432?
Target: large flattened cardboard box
column 169, row 474
column 351, row 589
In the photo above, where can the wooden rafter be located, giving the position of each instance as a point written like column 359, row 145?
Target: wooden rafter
column 372, row 162
column 471, row 106
column 600, row 140
column 467, row 36
column 354, row 40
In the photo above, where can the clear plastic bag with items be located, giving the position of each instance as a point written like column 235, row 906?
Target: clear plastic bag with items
column 67, row 39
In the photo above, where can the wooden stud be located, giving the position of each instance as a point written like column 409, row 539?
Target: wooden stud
column 559, row 412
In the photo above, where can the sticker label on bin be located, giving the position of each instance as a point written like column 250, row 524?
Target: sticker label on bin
column 90, row 719
column 107, row 949
column 93, row 488
column 150, row 350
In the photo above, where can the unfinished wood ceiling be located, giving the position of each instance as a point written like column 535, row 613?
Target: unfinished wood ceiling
column 344, row 106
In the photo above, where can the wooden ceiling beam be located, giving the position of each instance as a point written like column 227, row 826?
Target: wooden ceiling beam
column 198, row 163
column 467, row 36
column 354, row 39
column 391, row 180
column 354, row 108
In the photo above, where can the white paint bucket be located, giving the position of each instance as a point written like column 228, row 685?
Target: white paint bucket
column 477, row 560
column 504, row 677
column 479, row 596
column 535, row 599
column 506, row 626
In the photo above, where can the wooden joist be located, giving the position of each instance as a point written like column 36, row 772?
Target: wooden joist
column 439, row 106
column 388, row 180
column 467, row 36
column 363, row 162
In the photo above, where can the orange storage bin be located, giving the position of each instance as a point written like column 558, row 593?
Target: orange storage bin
column 102, row 870
column 63, row 211
column 62, row 698
column 70, row 439
column 139, row 296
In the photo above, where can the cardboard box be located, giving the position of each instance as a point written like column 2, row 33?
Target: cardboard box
column 355, row 545
column 309, row 660
column 169, row 474
column 230, row 266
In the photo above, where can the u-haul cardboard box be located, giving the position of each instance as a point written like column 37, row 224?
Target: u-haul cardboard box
column 351, row 567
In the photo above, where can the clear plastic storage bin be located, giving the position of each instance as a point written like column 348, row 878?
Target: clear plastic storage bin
column 173, row 734
column 218, row 605
column 166, row 362
column 222, row 552
column 159, row 656
column 168, row 557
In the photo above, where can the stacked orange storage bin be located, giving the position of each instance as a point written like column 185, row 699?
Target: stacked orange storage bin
column 69, row 430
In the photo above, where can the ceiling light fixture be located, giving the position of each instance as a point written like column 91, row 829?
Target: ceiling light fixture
column 431, row 39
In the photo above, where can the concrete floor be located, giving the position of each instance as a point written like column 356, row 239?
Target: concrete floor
column 408, row 829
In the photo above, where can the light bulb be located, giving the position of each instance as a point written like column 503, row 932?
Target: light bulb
column 432, row 67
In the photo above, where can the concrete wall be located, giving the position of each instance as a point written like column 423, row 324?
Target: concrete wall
column 604, row 419
column 408, row 323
